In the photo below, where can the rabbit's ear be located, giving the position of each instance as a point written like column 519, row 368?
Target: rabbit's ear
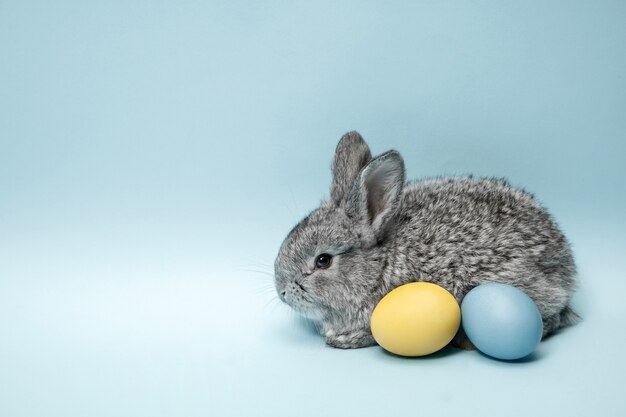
column 377, row 194
column 351, row 155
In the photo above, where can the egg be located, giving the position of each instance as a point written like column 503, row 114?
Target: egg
column 502, row 321
column 415, row 319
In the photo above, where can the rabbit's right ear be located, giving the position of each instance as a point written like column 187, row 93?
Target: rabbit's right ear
column 376, row 197
column 351, row 155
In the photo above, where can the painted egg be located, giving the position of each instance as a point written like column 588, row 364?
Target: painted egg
column 502, row 321
column 416, row 319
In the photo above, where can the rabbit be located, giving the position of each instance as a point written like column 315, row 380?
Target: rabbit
column 377, row 232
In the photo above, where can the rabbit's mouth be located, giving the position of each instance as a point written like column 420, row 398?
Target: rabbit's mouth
column 296, row 296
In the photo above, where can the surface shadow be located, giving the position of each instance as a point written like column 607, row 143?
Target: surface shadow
column 307, row 325
column 440, row 354
column 296, row 329
column 536, row 356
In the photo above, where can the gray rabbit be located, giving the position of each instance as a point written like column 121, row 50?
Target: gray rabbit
column 377, row 233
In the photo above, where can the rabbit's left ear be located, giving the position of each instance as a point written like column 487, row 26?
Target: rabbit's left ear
column 377, row 193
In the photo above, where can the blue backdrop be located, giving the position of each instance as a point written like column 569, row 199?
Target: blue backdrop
column 154, row 154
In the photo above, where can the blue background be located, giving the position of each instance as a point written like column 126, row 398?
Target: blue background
column 154, row 154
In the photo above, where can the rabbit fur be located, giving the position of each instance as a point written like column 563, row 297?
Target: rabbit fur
column 382, row 232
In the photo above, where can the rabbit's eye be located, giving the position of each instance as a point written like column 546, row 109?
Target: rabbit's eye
column 323, row 261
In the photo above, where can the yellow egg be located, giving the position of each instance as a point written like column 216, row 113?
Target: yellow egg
column 416, row 319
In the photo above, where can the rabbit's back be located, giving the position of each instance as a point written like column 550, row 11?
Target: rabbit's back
column 461, row 232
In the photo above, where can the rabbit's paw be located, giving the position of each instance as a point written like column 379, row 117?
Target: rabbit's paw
column 463, row 343
column 349, row 340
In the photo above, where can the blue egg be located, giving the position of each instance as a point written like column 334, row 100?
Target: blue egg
column 501, row 321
